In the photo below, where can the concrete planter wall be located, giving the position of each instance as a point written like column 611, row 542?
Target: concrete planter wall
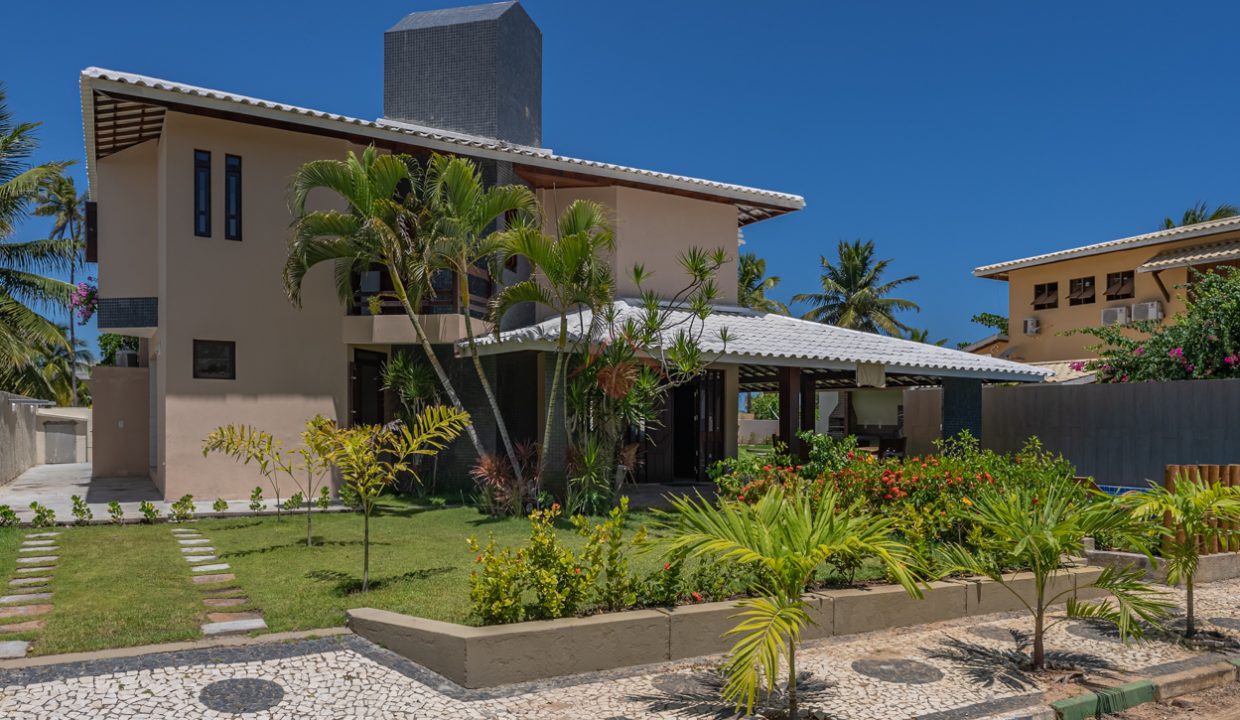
column 477, row 657
column 1219, row 566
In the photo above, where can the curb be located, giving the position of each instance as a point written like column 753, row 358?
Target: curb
column 1157, row 689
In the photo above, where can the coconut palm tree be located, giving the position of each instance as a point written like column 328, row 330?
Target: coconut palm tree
column 389, row 222
column 854, row 294
column 23, row 290
column 922, row 335
column 50, row 373
column 753, row 284
column 58, row 199
column 467, row 214
column 1202, row 213
column 568, row 272
column 1196, row 511
column 784, row 539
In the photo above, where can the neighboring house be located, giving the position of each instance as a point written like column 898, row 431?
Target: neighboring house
column 189, row 222
column 1118, row 281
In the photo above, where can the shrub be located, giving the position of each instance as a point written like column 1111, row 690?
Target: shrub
column 606, row 554
column 256, row 500
column 294, row 501
column 81, row 511
column 43, row 515
column 183, row 509
column 8, row 518
column 325, row 498
column 495, row 587
column 116, row 512
column 220, row 505
column 150, row 513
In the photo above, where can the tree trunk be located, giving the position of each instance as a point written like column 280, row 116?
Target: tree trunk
column 448, row 389
column 501, row 426
column 792, row 679
column 555, row 381
column 365, row 549
column 1190, row 627
column 309, row 509
column 73, row 322
column 1039, row 651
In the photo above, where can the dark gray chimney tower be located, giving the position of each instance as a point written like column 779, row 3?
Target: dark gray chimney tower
column 476, row 70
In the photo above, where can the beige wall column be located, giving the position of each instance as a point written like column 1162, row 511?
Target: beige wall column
column 121, row 421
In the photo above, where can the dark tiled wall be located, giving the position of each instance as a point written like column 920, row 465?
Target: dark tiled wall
column 962, row 407
column 139, row 312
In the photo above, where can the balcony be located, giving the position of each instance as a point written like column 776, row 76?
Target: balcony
column 440, row 315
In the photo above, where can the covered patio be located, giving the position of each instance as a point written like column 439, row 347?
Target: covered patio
column 750, row 351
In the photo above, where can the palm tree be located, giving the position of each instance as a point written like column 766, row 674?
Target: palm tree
column 1200, row 213
column 752, row 285
column 467, row 212
column 389, row 222
column 784, row 539
column 568, row 273
column 50, row 373
column 1036, row 526
column 922, row 335
column 23, row 291
column 1196, row 511
column 58, row 198
column 853, row 293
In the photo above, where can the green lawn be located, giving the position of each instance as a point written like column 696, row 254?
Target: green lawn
column 753, row 451
column 125, row 586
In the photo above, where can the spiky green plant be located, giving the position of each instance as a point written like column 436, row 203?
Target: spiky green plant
column 1195, row 512
column 784, row 539
column 1036, row 527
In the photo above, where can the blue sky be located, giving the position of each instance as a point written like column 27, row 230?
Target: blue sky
column 951, row 133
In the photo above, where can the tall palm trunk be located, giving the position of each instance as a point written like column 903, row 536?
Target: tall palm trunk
column 448, row 388
column 366, row 549
column 500, row 425
column 551, row 395
column 792, row 680
column 73, row 380
column 1190, row 626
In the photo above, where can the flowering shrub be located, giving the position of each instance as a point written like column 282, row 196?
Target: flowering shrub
column 1201, row 342
column 83, row 299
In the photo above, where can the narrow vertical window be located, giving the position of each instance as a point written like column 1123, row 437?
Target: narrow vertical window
column 232, row 197
column 202, row 193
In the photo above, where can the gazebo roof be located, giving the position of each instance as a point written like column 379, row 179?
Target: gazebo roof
column 765, row 339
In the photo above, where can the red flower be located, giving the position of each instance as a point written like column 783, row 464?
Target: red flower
column 478, row 559
column 667, row 566
column 577, row 570
column 697, row 596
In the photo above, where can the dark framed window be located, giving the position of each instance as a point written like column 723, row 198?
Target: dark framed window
column 202, row 193
column 1046, row 296
column 1121, row 285
column 215, row 359
column 232, row 197
column 1081, row 291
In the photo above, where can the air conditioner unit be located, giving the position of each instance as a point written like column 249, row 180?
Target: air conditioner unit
column 1032, row 326
column 1115, row 316
column 127, row 358
column 1147, row 311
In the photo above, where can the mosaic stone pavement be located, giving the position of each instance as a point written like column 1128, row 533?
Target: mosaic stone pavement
column 959, row 670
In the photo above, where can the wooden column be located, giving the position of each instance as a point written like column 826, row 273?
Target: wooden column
column 789, row 407
column 809, row 407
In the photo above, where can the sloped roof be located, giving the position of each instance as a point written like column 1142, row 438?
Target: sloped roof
column 1065, row 373
column 1195, row 255
column 768, row 339
column 453, row 16
column 1186, row 232
column 752, row 203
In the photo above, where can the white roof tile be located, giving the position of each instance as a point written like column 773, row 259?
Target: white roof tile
column 101, row 79
column 763, row 338
column 1195, row 255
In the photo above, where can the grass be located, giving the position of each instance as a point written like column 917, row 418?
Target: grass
column 745, row 452
column 126, row 586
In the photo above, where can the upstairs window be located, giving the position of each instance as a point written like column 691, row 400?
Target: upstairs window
column 232, row 197
column 1046, row 296
column 202, row 193
column 1121, row 285
column 1081, row 291
column 215, row 360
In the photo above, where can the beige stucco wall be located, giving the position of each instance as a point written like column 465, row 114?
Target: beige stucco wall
column 121, row 421
column 1050, row 344
column 291, row 363
column 81, row 419
column 18, row 445
column 128, row 222
column 654, row 230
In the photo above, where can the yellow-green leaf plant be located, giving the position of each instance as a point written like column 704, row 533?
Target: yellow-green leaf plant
column 370, row 457
column 312, row 460
column 1035, row 527
column 784, row 539
column 1197, row 511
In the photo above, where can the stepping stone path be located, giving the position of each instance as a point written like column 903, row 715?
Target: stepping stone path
column 208, row 570
column 36, row 563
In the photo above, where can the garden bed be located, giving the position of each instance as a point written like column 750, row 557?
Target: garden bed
column 477, row 657
column 1213, row 567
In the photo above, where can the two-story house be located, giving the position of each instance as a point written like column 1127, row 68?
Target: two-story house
column 189, row 221
column 1108, row 283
